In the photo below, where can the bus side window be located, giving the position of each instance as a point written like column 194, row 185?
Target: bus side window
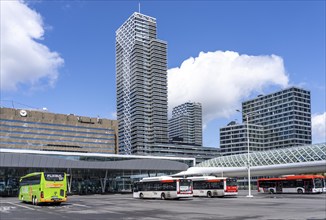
column 299, row 183
column 167, row 186
column 196, row 185
column 221, row 185
column 157, row 186
column 286, row 184
column 135, row 188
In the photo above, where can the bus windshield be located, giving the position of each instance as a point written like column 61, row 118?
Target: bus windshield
column 185, row 184
column 231, row 182
column 54, row 176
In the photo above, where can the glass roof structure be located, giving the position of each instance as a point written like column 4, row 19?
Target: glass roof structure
column 306, row 153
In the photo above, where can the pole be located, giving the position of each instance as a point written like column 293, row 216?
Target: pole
column 248, row 159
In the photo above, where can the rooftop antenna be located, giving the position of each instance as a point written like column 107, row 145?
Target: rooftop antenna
column 138, row 7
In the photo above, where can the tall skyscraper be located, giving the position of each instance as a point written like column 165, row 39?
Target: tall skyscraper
column 141, row 83
column 281, row 119
column 185, row 126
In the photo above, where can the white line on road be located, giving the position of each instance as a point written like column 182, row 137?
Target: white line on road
column 26, row 207
column 80, row 205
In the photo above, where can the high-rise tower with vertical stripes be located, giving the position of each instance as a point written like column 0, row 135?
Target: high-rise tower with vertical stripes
column 141, row 83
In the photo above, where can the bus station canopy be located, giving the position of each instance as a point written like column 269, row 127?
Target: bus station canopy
column 286, row 161
column 37, row 159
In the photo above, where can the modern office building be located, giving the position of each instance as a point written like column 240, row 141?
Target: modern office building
column 284, row 116
column 45, row 131
column 234, row 138
column 141, row 83
column 185, row 126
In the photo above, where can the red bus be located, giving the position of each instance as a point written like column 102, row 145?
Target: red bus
column 211, row 186
column 291, row 184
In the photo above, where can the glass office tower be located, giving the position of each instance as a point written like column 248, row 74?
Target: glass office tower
column 141, row 85
column 185, row 126
column 278, row 120
column 285, row 116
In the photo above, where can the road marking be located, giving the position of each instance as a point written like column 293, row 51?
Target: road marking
column 26, row 207
column 80, row 205
column 6, row 209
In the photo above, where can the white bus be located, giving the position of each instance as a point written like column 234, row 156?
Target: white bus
column 164, row 187
column 212, row 186
column 291, row 184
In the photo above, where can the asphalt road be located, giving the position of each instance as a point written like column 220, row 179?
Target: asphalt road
column 117, row 206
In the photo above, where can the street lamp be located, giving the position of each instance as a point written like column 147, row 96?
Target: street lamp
column 248, row 154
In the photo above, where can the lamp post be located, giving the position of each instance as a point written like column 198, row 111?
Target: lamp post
column 248, row 154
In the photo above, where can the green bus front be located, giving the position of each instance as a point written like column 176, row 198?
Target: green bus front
column 43, row 188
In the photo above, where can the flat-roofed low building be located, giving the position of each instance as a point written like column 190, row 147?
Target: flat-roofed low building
column 42, row 130
column 183, row 151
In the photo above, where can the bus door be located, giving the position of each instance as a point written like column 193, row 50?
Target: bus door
column 279, row 187
column 307, row 185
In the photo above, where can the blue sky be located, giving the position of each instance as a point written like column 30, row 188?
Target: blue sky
column 61, row 54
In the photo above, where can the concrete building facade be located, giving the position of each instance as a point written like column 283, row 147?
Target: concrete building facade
column 185, row 126
column 42, row 130
column 141, row 83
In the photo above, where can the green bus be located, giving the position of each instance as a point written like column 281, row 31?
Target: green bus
column 43, row 187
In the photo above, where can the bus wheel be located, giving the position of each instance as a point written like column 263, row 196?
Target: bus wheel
column 35, row 201
column 300, row 191
column 163, row 196
column 271, row 191
column 141, row 195
column 209, row 194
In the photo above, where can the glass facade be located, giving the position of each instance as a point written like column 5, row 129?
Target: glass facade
column 82, row 181
column 87, row 173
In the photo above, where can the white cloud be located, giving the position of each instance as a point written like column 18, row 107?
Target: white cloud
column 24, row 60
column 318, row 123
column 221, row 80
column 114, row 115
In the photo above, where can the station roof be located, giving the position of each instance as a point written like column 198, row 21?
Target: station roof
column 306, row 153
column 38, row 159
